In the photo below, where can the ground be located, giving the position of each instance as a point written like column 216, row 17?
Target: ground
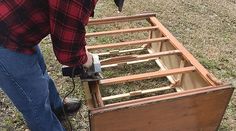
column 207, row 28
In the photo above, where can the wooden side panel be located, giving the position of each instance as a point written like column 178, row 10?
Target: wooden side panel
column 189, row 57
column 192, row 80
column 156, row 46
column 170, row 61
column 201, row 111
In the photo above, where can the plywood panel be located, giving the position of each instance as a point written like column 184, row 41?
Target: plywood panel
column 192, row 80
column 201, row 111
column 170, row 61
column 156, row 46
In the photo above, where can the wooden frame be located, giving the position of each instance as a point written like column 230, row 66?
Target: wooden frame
column 195, row 86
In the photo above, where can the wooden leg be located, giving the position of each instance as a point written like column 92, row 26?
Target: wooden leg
column 88, row 95
column 96, row 94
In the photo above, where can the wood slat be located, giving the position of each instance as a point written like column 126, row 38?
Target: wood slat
column 145, row 76
column 112, row 32
column 88, row 96
column 153, row 56
column 120, row 19
column 121, row 44
column 96, row 94
column 115, row 52
column 128, row 63
column 136, row 93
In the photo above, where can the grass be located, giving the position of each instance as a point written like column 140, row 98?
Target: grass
column 206, row 28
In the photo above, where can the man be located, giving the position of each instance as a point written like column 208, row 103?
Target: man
column 23, row 75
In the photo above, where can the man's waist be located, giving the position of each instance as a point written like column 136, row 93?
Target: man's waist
column 17, row 47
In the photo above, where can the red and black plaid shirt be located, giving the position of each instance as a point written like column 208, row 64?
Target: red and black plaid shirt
column 24, row 23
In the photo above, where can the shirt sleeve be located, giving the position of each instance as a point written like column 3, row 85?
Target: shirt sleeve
column 67, row 28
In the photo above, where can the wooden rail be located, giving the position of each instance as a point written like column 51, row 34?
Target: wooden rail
column 136, row 93
column 125, row 59
column 115, row 52
column 144, row 76
column 121, row 31
column 120, row 19
column 121, row 44
column 128, row 63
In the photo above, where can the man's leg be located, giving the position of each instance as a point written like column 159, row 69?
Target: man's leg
column 54, row 98
column 23, row 80
column 71, row 105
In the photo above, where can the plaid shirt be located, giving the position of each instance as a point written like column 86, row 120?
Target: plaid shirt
column 24, row 23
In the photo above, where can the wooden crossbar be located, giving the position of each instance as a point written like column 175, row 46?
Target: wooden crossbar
column 128, row 63
column 114, row 52
column 145, row 76
column 121, row 44
column 112, row 32
column 136, row 93
column 120, row 19
column 153, row 56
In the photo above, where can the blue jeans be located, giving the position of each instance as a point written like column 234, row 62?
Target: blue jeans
column 25, row 81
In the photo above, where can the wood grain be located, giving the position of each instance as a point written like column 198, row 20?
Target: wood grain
column 191, row 112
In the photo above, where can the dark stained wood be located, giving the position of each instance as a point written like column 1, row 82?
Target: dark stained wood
column 202, row 110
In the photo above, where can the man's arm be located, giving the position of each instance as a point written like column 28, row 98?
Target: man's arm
column 68, row 19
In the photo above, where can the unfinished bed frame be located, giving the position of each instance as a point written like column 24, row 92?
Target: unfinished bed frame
column 200, row 99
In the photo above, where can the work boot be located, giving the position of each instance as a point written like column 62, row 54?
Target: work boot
column 71, row 107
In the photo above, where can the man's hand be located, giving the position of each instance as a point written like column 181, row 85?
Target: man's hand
column 89, row 62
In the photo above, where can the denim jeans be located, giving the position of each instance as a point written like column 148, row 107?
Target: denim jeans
column 25, row 81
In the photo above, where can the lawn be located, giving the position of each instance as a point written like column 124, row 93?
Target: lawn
column 207, row 28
